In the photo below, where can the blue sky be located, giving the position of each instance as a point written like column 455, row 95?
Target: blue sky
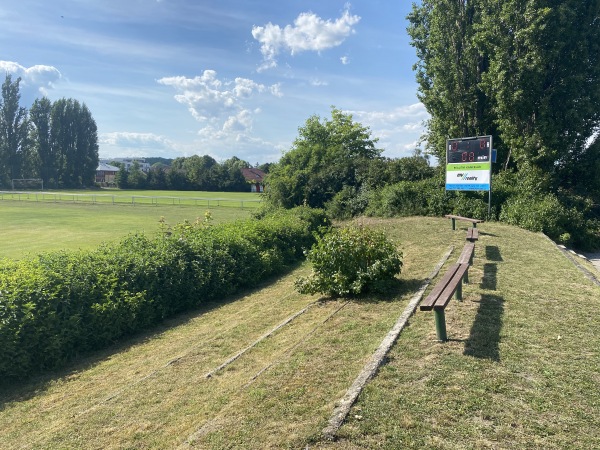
column 219, row 77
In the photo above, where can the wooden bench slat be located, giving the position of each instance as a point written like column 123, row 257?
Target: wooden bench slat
column 446, row 294
column 472, row 234
column 467, row 253
column 466, row 219
column 427, row 304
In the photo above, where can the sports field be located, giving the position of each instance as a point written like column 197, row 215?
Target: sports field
column 55, row 220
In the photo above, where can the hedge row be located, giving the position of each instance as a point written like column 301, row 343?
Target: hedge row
column 58, row 305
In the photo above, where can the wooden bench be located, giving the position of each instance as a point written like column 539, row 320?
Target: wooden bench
column 472, row 234
column 449, row 285
column 454, row 218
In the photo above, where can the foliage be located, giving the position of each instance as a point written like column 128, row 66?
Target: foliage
column 350, row 261
column 327, row 156
column 57, row 142
column 13, row 132
column 61, row 304
column 524, row 72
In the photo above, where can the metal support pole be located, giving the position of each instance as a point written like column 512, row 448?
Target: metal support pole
column 458, row 292
column 440, row 324
column 453, row 223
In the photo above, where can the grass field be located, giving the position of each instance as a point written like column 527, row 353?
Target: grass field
column 520, row 369
column 30, row 226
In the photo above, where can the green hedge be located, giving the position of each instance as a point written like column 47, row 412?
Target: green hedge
column 58, row 305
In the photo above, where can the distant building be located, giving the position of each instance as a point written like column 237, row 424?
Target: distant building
column 105, row 174
column 255, row 177
column 128, row 162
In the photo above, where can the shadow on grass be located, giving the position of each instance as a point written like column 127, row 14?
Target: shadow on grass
column 490, row 269
column 484, row 339
column 492, row 253
column 16, row 390
column 390, row 291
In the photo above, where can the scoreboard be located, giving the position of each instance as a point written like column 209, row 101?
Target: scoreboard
column 469, row 164
column 466, row 150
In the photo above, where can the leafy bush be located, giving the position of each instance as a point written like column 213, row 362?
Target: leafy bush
column 349, row 261
column 58, row 305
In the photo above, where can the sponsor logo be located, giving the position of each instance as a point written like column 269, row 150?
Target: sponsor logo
column 466, row 177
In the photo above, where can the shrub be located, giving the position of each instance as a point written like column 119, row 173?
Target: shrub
column 350, row 261
column 58, row 305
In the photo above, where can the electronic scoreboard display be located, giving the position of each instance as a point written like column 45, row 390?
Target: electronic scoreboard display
column 469, row 164
column 469, row 150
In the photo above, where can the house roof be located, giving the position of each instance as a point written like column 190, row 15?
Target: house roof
column 254, row 175
column 107, row 167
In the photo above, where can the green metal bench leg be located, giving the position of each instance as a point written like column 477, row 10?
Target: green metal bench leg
column 474, row 224
column 458, row 292
column 440, row 324
column 466, row 277
column 454, row 224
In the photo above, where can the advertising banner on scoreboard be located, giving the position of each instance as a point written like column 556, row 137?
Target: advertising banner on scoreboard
column 468, row 177
column 469, row 164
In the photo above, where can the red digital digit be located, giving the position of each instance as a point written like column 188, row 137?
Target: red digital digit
column 472, row 156
column 463, row 156
column 481, row 144
column 454, row 146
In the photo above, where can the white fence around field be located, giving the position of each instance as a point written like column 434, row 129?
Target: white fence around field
column 135, row 200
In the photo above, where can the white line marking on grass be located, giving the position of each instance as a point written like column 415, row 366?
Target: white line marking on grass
column 370, row 369
column 255, row 343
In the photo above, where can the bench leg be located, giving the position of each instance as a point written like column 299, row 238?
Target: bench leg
column 440, row 324
column 466, row 277
column 453, row 224
column 458, row 293
column 474, row 224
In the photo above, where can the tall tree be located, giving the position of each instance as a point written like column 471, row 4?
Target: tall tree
column 39, row 115
column 326, row 156
column 525, row 71
column 544, row 76
column 13, row 131
column 74, row 136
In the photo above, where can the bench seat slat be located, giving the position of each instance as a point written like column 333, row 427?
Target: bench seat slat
column 467, row 253
column 427, row 304
column 446, row 294
column 467, row 219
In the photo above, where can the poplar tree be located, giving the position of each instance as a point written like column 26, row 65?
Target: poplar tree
column 13, row 131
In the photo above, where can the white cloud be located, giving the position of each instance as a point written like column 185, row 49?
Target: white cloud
column 398, row 129
column 223, row 107
column 39, row 77
column 308, row 33
column 131, row 144
column 345, row 60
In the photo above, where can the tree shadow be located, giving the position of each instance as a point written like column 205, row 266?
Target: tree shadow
column 484, row 338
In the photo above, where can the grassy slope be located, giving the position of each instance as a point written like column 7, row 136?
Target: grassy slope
column 520, row 370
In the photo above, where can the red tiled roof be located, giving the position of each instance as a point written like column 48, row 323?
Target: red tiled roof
column 255, row 175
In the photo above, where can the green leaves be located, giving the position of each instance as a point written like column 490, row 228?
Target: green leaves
column 61, row 304
column 350, row 261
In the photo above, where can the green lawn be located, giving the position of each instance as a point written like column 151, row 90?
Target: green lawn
column 520, row 369
column 34, row 227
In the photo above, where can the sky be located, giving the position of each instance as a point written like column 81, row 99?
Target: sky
column 172, row 78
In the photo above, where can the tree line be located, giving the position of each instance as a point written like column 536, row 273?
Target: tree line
column 54, row 141
column 193, row 173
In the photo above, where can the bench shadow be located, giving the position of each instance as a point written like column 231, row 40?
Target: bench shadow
column 490, row 269
column 492, row 253
column 484, row 338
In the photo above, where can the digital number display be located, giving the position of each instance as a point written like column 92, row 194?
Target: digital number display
column 469, row 150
